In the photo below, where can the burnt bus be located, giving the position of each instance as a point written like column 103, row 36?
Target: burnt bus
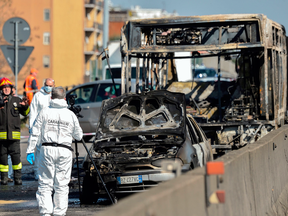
column 232, row 112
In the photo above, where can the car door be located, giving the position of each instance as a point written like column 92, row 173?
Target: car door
column 86, row 95
column 203, row 143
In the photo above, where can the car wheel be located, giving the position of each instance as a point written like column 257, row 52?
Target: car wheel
column 89, row 190
column 191, row 166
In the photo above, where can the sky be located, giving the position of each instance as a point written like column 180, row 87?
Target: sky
column 276, row 10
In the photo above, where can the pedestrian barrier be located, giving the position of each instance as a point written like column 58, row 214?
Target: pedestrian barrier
column 255, row 183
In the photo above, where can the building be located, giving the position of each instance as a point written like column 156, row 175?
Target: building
column 93, row 26
column 142, row 13
column 118, row 17
column 66, row 35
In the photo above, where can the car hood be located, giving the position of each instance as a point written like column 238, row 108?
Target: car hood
column 150, row 114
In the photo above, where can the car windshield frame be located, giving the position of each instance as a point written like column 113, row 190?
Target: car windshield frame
column 172, row 105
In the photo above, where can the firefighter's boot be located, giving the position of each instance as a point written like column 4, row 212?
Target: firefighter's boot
column 4, row 178
column 17, row 177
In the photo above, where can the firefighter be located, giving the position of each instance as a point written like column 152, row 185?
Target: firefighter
column 31, row 85
column 10, row 109
column 54, row 126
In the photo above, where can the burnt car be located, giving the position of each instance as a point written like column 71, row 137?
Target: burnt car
column 135, row 135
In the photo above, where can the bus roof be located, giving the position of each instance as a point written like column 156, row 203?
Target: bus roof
column 203, row 18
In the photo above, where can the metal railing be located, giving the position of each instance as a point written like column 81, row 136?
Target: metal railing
column 99, row 26
column 100, row 4
column 95, row 26
column 89, row 1
column 98, row 48
column 95, row 48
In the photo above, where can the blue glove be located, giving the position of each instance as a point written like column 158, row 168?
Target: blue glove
column 30, row 158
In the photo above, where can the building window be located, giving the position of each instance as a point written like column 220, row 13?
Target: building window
column 46, row 61
column 88, row 16
column 46, row 38
column 46, row 14
column 87, row 40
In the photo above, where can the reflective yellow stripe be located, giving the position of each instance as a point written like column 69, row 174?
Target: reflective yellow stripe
column 4, row 168
column 27, row 111
column 16, row 135
column 7, row 202
column 3, row 135
column 17, row 167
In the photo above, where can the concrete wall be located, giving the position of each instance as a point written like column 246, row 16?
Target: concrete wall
column 255, row 182
column 256, row 176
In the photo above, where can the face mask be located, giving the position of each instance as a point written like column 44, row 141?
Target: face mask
column 47, row 89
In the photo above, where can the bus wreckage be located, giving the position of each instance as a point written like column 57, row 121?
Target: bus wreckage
column 232, row 112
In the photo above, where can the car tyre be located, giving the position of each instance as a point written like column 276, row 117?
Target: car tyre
column 89, row 190
column 115, row 199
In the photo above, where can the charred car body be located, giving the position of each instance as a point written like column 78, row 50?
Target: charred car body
column 232, row 114
column 136, row 133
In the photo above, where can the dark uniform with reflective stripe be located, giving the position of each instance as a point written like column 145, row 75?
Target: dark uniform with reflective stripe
column 10, row 133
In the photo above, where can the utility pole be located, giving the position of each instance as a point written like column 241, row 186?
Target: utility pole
column 16, row 47
column 105, row 31
column 106, row 24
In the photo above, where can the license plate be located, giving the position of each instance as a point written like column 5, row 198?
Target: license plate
column 129, row 179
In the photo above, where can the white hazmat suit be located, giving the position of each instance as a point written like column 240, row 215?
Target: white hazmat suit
column 53, row 126
column 40, row 100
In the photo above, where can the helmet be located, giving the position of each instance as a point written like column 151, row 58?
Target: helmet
column 33, row 70
column 5, row 82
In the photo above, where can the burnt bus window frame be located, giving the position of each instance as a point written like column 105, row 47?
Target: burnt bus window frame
column 239, row 32
column 256, row 47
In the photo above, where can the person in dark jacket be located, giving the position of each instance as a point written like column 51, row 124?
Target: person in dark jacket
column 10, row 109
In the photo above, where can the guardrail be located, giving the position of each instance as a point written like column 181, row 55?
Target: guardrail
column 255, row 183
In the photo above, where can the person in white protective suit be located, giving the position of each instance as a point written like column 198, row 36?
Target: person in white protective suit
column 54, row 127
column 40, row 100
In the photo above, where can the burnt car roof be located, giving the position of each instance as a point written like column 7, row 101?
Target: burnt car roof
column 150, row 113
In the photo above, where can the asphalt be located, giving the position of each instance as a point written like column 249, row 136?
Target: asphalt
column 18, row 200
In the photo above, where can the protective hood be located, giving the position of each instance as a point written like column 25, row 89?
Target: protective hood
column 151, row 113
column 43, row 91
column 58, row 103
